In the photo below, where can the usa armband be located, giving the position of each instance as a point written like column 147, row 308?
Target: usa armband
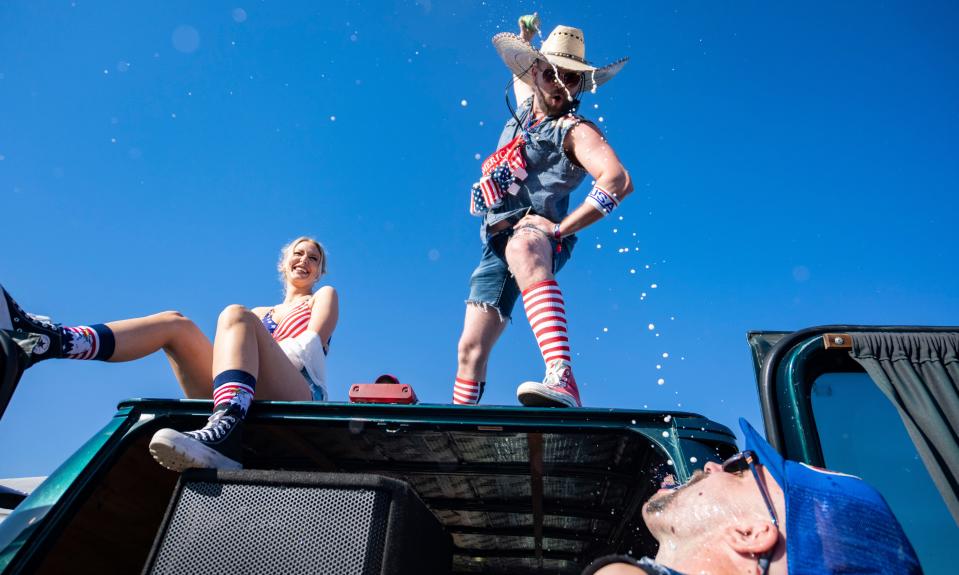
column 602, row 200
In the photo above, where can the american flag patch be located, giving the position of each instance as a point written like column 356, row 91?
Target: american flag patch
column 477, row 205
column 500, row 172
column 515, row 160
column 492, row 192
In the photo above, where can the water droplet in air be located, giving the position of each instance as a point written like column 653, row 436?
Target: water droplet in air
column 332, row 118
column 667, row 418
column 185, row 39
column 660, row 381
column 653, row 286
column 476, row 156
column 665, row 354
column 651, row 327
column 464, row 103
column 239, row 15
column 666, row 434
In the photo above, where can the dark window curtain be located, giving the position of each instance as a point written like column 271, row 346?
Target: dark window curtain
column 919, row 373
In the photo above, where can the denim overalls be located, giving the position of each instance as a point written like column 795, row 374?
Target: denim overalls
column 551, row 177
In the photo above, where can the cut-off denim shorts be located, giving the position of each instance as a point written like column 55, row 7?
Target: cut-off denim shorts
column 492, row 284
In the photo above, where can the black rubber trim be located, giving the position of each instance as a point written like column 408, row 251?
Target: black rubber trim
column 767, row 383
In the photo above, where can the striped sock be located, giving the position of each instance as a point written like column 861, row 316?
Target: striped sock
column 467, row 392
column 233, row 383
column 547, row 316
column 88, row 342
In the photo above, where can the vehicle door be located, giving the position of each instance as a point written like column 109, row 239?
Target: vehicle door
column 880, row 403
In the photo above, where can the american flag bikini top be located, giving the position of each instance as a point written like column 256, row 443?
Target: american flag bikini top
column 292, row 325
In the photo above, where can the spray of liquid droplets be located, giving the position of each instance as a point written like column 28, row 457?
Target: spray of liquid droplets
column 560, row 82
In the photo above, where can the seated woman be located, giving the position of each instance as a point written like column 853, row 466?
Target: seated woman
column 277, row 352
column 283, row 348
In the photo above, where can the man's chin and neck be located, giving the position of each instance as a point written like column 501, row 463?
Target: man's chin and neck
column 696, row 557
column 553, row 105
column 701, row 552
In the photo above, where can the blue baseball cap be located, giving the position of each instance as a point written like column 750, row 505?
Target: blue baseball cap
column 835, row 523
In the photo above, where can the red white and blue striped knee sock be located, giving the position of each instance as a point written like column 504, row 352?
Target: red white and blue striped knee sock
column 467, row 392
column 546, row 312
column 88, row 342
column 233, row 385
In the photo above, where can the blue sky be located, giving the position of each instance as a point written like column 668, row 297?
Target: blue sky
column 795, row 165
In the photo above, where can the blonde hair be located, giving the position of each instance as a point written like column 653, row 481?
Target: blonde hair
column 287, row 250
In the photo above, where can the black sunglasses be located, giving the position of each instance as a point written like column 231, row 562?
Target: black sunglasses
column 738, row 464
column 568, row 78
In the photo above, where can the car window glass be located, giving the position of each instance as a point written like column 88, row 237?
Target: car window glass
column 861, row 434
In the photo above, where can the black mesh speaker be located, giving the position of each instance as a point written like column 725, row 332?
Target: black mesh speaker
column 252, row 521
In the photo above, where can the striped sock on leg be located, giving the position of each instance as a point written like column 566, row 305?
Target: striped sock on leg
column 233, row 383
column 467, row 392
column 546, row 312
column 88, row 342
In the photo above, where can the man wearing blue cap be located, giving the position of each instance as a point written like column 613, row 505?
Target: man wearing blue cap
column 759, row 513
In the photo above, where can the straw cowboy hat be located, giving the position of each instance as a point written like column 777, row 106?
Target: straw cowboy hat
column 564, row 48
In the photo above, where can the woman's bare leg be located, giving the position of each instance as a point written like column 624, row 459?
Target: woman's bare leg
column 243, row 343
column 188, row 350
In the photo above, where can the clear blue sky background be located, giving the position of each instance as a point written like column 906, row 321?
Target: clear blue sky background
column 795, row 164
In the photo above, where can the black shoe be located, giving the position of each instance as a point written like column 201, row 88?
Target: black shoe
column 217, row 445
column 12, row 363
column 37, row 336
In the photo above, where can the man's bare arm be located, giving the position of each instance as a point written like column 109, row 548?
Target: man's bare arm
column 588, row 148
column 528, row 27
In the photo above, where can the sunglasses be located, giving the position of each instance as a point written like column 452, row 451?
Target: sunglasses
column 568, row 78
column 738, row 464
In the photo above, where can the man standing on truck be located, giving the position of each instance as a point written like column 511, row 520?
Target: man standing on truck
column 760, row 513
column 545, row 151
